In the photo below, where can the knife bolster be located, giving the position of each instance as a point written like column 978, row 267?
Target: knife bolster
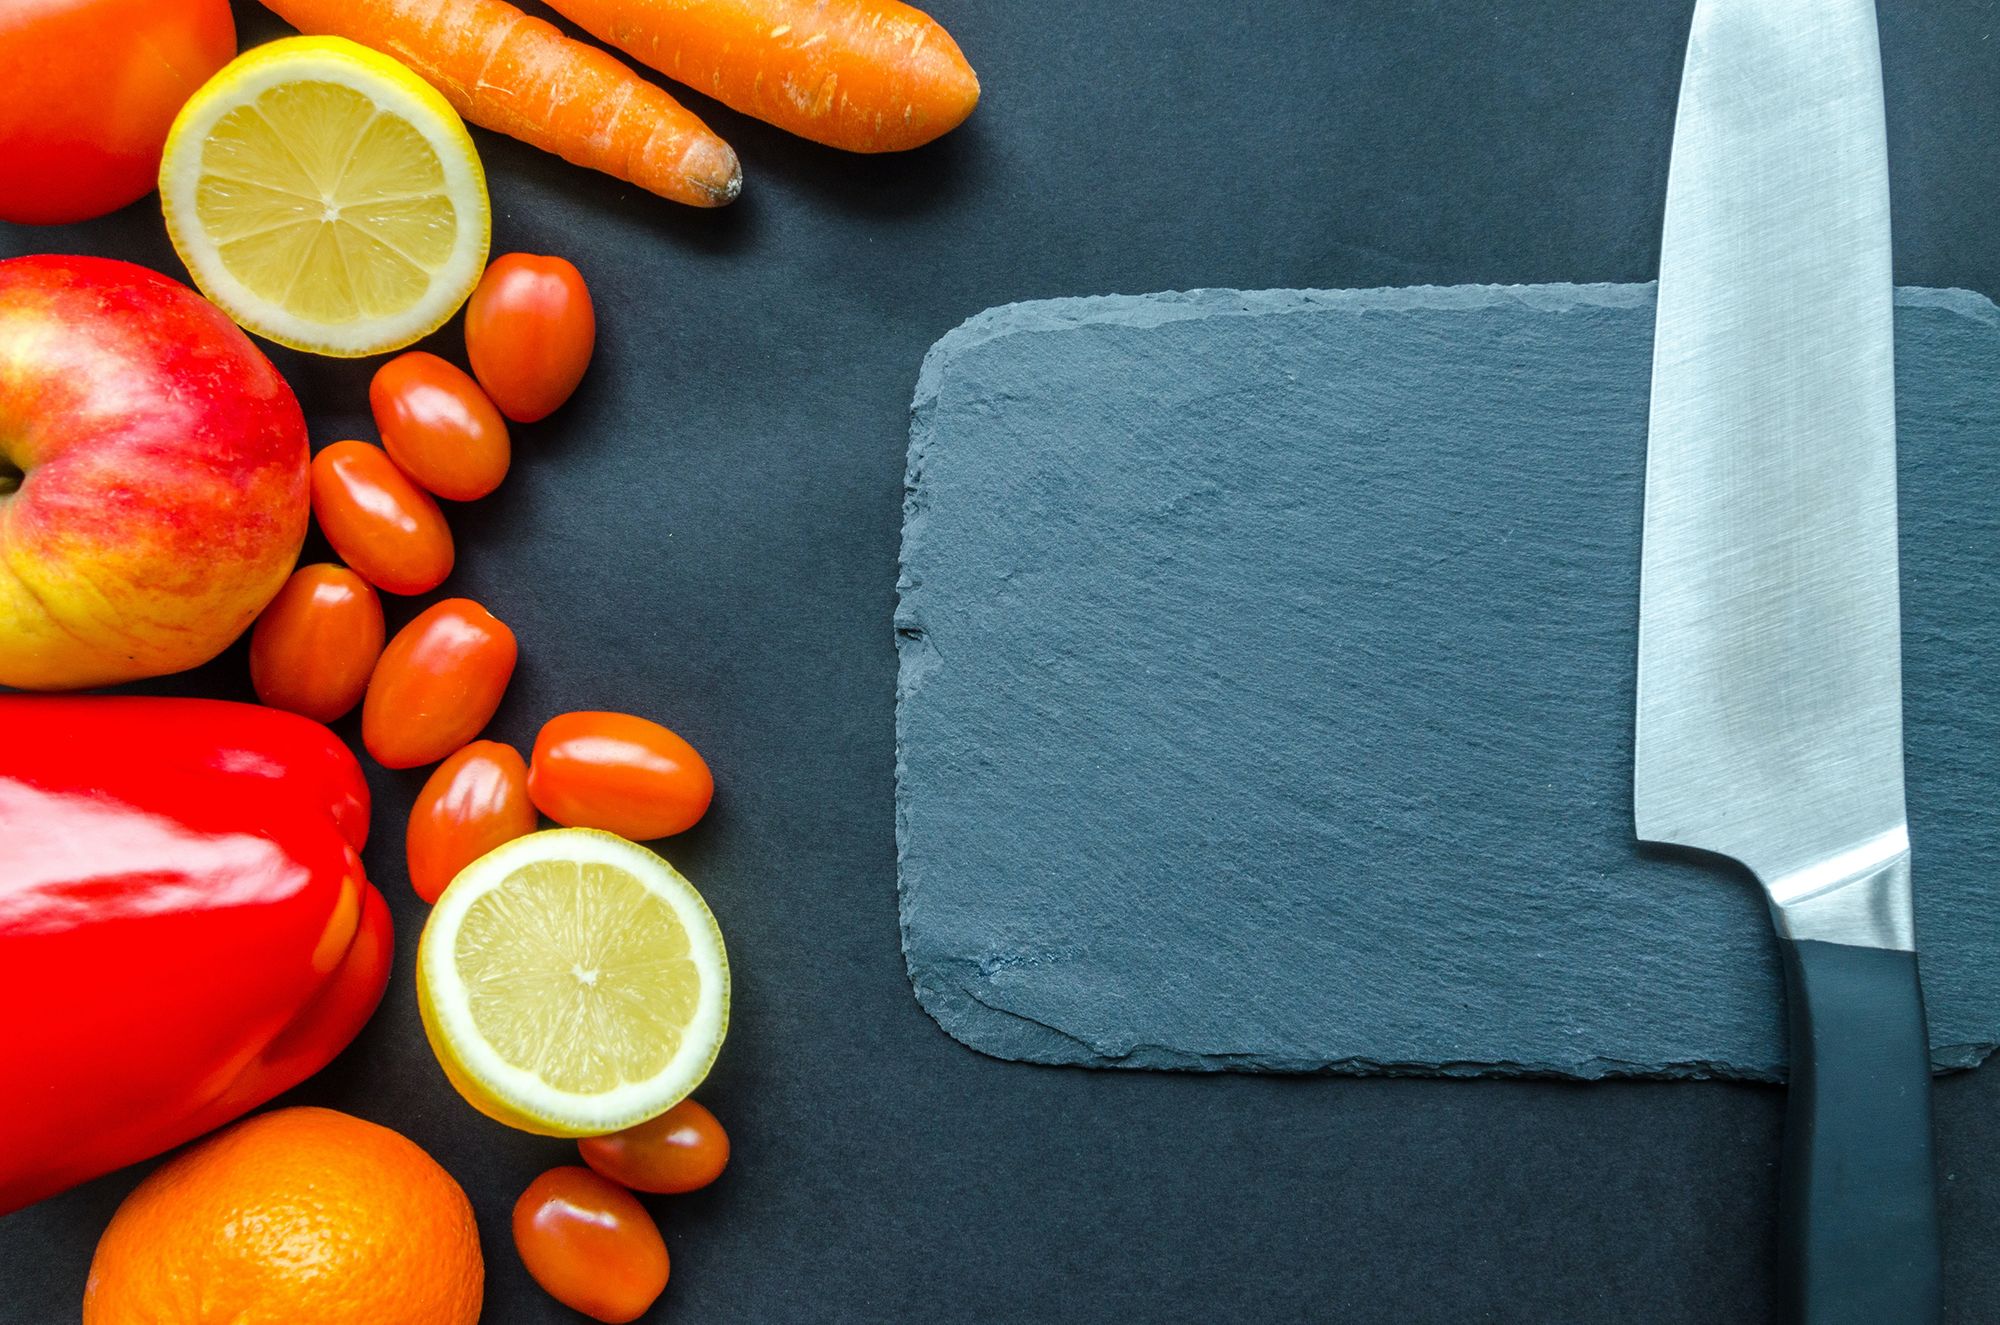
column 1860, row 898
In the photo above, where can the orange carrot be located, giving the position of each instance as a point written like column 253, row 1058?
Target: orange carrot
column 866, row 75
column 520, row 76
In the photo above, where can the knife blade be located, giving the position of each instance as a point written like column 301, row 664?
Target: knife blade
column 1769, row 723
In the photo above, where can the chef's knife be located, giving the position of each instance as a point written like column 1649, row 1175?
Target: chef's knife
column 1770, row 692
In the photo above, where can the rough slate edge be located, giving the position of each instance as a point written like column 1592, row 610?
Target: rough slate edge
column 1009, row 1035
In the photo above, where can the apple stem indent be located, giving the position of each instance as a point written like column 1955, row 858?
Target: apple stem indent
column 10, row 477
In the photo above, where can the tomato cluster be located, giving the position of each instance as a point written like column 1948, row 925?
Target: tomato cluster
column 610, row 771
column 427, row 693
column 585, row 1238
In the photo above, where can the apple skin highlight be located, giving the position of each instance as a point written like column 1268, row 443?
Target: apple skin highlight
column 162, row 458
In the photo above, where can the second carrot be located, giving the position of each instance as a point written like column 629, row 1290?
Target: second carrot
column 864, row 75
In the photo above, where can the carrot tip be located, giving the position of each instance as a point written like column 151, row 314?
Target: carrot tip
column 721, row 195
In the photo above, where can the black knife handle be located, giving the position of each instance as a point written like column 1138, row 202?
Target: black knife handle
column 1860, row 1224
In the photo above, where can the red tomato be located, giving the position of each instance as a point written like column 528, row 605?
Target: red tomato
column 380, row 523
column 683, row 1149
column 437, row 684
column 314, row 647
column 620, row 773
column 590, row 1244
column 476, row 800
column 438, row 426
column 529, row 331
column 90, row 89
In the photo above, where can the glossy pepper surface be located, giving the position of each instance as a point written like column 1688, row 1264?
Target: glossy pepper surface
column 185, row 927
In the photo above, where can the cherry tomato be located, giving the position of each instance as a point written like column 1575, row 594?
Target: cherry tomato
column 314, row 647
column 91, row 87
column 529, row 330
column 620, row 773
column 380, row 523
column 437, row 684
column 590, row 1244
column 438, row 426
column 473, row 802
column 683, row 1149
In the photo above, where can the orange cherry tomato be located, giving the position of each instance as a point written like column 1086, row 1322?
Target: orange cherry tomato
column 90, row 88
column 314, row 647
column 529, row 331
column 473, row 802
column 682, row 1150
column 380, row 523
column 620, row 773
column 590, row 1244
column 438, row 426
column 437, row 684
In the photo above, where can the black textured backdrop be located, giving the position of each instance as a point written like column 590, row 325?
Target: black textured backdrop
column 708, row 534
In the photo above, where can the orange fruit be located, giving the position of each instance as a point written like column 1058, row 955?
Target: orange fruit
column 302, row 1215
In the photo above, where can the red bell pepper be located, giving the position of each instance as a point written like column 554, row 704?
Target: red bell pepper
column 185, row 927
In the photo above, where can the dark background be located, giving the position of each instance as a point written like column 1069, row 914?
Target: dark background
column 708, row 535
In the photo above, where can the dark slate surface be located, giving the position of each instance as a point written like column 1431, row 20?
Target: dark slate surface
column 1266, row 690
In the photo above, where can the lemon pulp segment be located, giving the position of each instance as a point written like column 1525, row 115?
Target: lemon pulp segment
column 318, row 201
column 578, row 974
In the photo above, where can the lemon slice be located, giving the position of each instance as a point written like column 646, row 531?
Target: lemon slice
column 572, row 983
column 326, row 197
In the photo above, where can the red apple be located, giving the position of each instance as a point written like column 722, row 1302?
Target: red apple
column 152, row 475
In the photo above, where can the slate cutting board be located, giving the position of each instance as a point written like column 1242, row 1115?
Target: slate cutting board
column 1266, row 690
